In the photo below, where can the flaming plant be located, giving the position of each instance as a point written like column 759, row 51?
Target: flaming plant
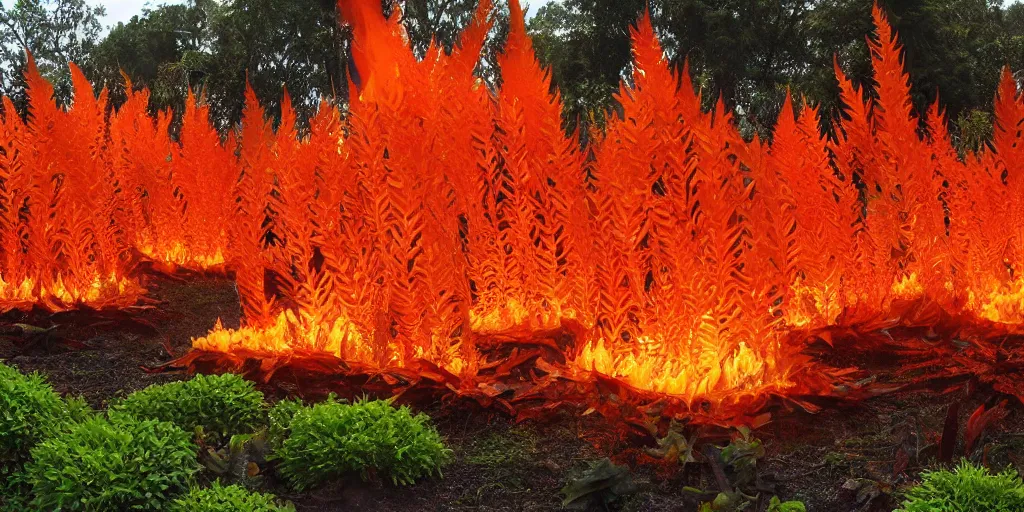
column 439, row 216
column 439, row 212
column 64, row 235
column 179, row 191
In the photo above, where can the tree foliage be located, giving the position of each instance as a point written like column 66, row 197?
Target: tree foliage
column 56, row 32
column 749, row 52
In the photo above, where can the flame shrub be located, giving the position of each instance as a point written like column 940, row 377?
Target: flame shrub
column 437, row 213
column 64, row 239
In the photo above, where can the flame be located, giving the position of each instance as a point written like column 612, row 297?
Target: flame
column 289, row 334
column 180, row 255
column 1003, row 304
column 62, row 229
column 58, row 295
column 440, row 214
column 687, row 254
column 514, row 315
column 728, row 377
column 908, row 287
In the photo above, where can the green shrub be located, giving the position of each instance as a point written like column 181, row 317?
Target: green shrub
column 969, row 488
column 119, row 464
column 232, row 498
column 332, row 439
column 279, row 419
column 223, row 405
column 30, row 411
column 777, row 505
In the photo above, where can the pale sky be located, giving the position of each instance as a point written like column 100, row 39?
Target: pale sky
column 123, row 10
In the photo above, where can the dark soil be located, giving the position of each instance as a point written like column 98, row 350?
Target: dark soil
column 855, row 457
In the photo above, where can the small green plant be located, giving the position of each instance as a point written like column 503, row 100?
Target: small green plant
column 601, row 485
column 372, row 438
column 222, row 405
column 30, row 411
column 675, row 446
column 777, row 505
column 231, row 498
column 741, row 456
column 119, row 464
column 280, row 418
column 735, row 502
column 967, row 488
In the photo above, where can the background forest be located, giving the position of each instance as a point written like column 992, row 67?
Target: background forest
column 748, row 51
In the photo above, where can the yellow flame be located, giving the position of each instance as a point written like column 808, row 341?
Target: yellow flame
column 740, row 372
column 1002, row 304
column 812, row 305
column 181, row 256
column 909, row 287
column 515, row 314
column 289, row 333
column 100, row 291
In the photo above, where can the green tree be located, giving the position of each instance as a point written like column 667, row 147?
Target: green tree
column 215, row 46
column 56, row 32
column 442, row 21
column 165, row 49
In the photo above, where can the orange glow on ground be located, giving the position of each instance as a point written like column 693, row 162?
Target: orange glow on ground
column 99, row 292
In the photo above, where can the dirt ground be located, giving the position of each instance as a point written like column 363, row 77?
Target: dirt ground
column 855, row 457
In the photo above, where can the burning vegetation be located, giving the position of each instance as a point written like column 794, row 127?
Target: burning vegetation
column 440, row 228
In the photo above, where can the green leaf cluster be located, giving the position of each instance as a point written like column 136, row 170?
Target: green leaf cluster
column 372, row 438
column 117, row 464
column 967, row 488
column 231, row 498
column 222, row 405
column 598, row 487
column 280, row 418
column 30, row 411
column 777, row 505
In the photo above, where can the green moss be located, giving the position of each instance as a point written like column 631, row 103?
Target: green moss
column 511, row 447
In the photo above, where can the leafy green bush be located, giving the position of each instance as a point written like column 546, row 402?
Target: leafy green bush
column 332, row 439
column 232, row 498
column 112, row 465
column 30, row 411
column 777, row 505
column 968, row 488
column 221, row 404
column 280, row 418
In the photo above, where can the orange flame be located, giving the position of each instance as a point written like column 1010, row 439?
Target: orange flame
column 63, row 233
column 440, row 213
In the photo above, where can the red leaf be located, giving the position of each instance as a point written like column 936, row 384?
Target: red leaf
column 979, row 420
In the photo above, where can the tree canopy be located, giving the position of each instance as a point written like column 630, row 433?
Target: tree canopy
column 746, row 51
